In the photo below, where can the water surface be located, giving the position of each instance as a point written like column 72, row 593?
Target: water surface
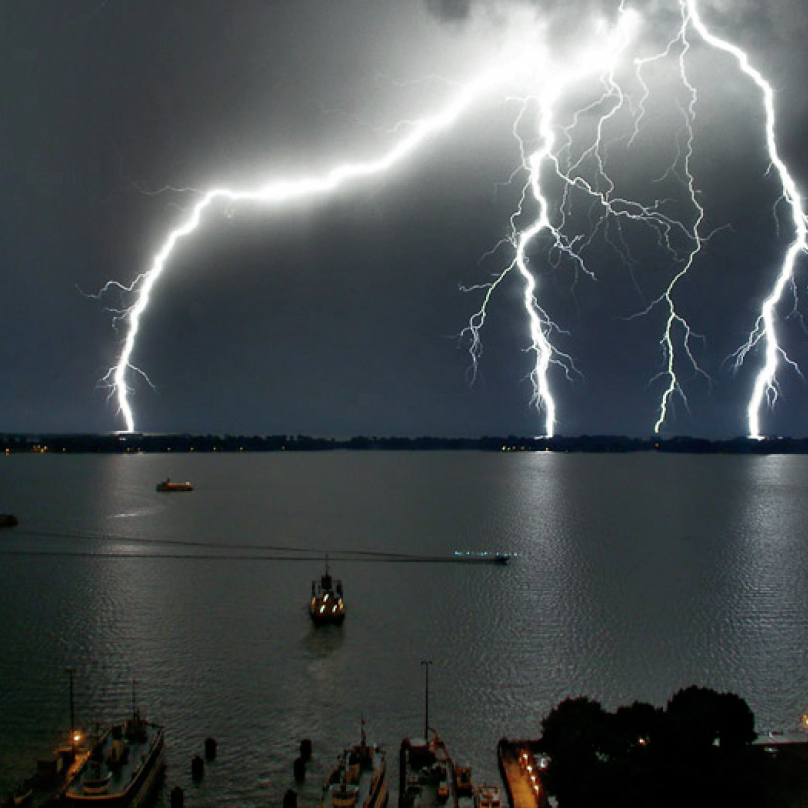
column 636, row 575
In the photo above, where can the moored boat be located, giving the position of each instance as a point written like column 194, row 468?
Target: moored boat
column 123, row 768
column 327, row 604
column 426, row 773
column 463, row 782
column 358, row 779
column 487, row 796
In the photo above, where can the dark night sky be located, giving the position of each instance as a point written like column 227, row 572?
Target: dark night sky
column 340, row 315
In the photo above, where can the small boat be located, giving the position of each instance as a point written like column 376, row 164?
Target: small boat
column 326, row 604
column 483, row 555
column 8, row 520
column 359, row 778
column 123, row 768
column 487, row 796
column 463, row 783
column 167, row 485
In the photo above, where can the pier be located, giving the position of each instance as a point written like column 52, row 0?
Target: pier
column 521, row 774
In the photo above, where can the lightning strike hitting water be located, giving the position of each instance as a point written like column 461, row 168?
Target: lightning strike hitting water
column 542, row 225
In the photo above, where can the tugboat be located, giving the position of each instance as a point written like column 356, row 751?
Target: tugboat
column 359, row 778
column 167, row 485
column 124, row 766
column 326, row 604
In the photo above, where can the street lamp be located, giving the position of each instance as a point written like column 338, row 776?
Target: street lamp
column 426, row 663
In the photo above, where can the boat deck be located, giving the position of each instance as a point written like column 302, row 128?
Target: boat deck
column 117, row 762
column 359, row 779
column 426, row 774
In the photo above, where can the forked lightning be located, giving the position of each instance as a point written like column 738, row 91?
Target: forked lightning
column 539, row 233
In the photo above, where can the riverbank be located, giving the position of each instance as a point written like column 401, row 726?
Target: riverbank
column 141, row 442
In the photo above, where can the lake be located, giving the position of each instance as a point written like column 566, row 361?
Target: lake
column 634, row 575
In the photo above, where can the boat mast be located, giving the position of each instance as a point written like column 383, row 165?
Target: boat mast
column 426, row 663
column 70, row 672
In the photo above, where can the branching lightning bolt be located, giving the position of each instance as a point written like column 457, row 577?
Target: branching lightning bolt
column 542, row 228
column 272, row 193
column 674, row 320
column 545, row 158
column 765, row 330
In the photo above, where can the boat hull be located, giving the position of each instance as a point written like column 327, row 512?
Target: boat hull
column 326, row 613
column 326, row 605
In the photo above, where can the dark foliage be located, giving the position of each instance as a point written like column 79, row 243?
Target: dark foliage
column 696, row 752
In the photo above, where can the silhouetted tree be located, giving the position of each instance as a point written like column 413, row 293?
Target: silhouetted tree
column 575, row 737
column 699, row 718
column 696, row 752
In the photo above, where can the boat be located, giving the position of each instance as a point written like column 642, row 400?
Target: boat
column 358, row 779
column 123, row 768
column 463, row 783
column 426, row 773
column 483, row 555
column 326, row 604
column 8, row 520
column 487, row 796
column 167, row 485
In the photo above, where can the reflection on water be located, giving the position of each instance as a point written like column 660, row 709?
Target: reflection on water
column 635, row 575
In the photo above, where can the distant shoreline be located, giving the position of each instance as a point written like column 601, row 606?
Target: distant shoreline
column 137, row 442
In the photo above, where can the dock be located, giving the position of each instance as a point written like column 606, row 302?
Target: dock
column 521, row 774
column 50, row 780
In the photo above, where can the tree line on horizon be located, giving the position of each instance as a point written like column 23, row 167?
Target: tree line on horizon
column 125, row 443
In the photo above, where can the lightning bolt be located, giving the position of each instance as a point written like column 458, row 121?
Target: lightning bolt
column 765, row 387
column 271, row 194
column 599, row 189
column 545, row 158
column 542, row 227
column 674, row 321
